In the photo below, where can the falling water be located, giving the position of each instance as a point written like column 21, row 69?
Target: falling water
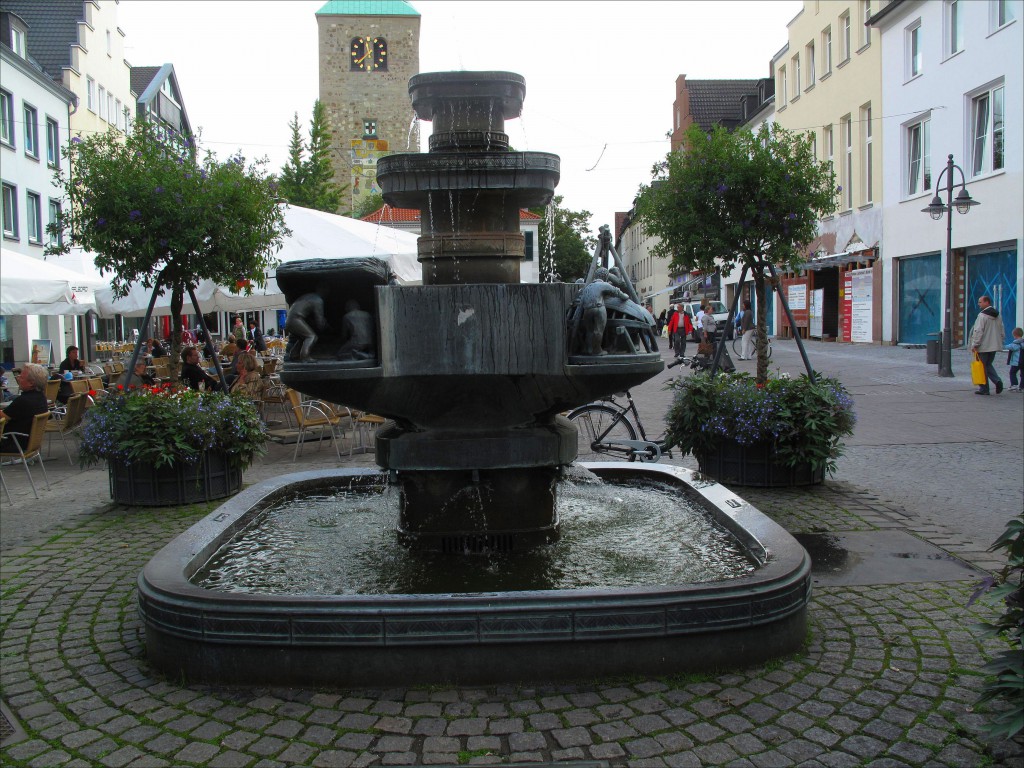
column 552, row 275
column 413, row 129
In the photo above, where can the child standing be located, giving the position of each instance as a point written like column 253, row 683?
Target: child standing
column 1014, row 360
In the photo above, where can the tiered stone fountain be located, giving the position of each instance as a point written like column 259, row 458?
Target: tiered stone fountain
column 472, row 370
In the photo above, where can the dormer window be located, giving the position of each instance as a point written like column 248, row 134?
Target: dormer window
column 18, row 41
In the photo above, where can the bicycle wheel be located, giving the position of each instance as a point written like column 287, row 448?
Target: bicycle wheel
column 737, row 344
column 597, row 426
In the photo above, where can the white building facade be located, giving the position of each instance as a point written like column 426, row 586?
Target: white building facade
column 953, row 84
column 34, row 116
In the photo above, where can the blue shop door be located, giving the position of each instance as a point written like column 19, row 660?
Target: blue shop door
column 769, row 302
column 920, row 299
column 992, row 274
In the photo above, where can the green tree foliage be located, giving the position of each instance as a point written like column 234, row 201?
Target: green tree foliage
column 738, row 198
column 307, row 179
column 565, row 247
column 155, row 215
column 368, row 205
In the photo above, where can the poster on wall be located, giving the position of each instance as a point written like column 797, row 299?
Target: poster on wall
column 860, row 305
column 796, row 295
column 42, row 352
column 846, row 300
column 815, row 316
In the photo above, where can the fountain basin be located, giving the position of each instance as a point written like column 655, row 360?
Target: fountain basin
column 220, row 637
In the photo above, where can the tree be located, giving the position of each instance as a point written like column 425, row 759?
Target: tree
column 565, row 247
column 369, row 204
column 309, row 181
column 154, row 214
column 738, row 198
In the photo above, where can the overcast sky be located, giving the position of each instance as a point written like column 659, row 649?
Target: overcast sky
column 600, row 75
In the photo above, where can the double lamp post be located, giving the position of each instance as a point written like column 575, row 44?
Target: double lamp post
column 963, row 203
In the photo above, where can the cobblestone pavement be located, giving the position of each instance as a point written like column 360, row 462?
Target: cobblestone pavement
column 888, row 676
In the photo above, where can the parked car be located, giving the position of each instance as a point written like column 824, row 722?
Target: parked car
column 718, row 309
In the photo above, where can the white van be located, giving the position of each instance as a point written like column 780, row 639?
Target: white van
column 718, row 309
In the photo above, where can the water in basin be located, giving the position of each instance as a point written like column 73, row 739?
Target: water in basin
column 614, row 534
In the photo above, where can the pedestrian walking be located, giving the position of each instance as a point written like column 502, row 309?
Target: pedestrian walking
column 747, row 329
column 986, row 339
column 668, row 321
column 1013, row 359
column 256, row 337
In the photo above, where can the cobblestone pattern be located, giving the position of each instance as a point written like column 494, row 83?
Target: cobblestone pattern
column 888, row 678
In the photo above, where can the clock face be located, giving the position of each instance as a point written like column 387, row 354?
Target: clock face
column 369, row 53
column 360, row 54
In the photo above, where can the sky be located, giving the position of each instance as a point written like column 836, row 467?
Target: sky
column 600, row 75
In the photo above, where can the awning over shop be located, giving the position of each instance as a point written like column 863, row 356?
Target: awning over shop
column 838, row 259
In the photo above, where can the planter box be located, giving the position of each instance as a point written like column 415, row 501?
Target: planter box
column 142, row 485
column 755, row 465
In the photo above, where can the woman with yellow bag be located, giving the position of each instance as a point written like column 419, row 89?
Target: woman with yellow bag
column 987, row 339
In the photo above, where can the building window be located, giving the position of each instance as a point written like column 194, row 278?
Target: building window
column 52, row 143
column 826, row 51
column 915, row 62
column 865, row 17
column 10, row 203
column 53, row 221
column 828, row 146
column 90, row 93
column 783, row 88
column 7, row 118
column 34, row 218
column 814, row 145
column 118, row 115
column 528, row 246
column 809, row 55
column 844, row 41
column 31, row 132
column 846, row 132
column 919, row 162
column 953, row 19
column 796, row 76
column 987, row 131
column 18, row 41
column 110, row 47
column 111, row 112
column 103, row 103
column 868, row 158
column 1001, row 13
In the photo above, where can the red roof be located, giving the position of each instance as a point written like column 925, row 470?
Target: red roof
column 388, row 215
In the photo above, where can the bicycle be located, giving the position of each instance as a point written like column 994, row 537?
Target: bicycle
column 604, row 430
column 737, row 344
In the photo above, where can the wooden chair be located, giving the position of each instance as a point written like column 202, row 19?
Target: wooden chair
column 277, row 394
column 31, row 450
column 65, row 421
column 367, row 425
column 315, row 415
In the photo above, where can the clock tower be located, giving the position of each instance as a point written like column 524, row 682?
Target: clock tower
column 368, row 51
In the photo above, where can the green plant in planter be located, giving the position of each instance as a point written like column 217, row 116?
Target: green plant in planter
column 803, row 419
column 1006, row 670
column 162, row 426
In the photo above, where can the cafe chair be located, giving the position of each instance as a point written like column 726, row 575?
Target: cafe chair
column 66, row 420
column 315, row 415
column 31, row 450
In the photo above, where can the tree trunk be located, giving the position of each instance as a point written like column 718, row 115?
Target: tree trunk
column 177, row 300
column 761, row 337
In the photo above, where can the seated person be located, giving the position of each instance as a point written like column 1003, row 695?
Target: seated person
column 192, row 374
column 139, row 376
column 248, row 381
column 243, row 349
column 230, row 348
column 71, row 362
column 65, row 391
column 25, row 407
column 156, row 349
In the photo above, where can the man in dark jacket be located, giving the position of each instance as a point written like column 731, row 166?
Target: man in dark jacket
column 256, row 337
column 192, row 374
column 25, row 407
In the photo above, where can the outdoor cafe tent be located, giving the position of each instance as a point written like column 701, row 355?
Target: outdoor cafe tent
column 314, row 235
column 31, row 286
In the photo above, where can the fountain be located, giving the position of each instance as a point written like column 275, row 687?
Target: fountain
column 472, row 370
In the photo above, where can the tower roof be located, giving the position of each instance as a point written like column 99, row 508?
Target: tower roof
column 367, row 8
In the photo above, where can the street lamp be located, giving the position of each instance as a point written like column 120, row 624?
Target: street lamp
column 963, row 203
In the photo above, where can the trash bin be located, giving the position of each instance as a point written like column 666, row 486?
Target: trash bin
column 932, row 349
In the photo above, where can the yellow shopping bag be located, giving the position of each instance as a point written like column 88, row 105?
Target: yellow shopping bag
column 978, row 372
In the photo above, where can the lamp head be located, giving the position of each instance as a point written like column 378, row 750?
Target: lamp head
column 935, row 208
column 964, row 202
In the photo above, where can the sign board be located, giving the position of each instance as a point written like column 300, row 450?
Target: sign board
column 816, row 314
column 847, row 304
column 796, row 295
column 861, row 305
column 42, row 352
column 82, row 294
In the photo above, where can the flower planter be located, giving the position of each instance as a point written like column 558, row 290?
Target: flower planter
column 143, row 485
column 755, row 465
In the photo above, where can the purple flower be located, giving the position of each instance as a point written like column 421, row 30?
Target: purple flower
column 159, row 190
column 163, row 242
column 101, row 222
column 76, row 140
column 135, row 215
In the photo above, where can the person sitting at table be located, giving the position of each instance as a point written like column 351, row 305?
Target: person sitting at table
column 248, row 381
column 71, row 362
column 192, row 374
column 230, row 348
column 140, row 377
column 156, row 349
column 243, row 349
column 25, row 407
column 64, row 392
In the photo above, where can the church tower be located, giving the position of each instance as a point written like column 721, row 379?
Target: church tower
column 368, row 51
